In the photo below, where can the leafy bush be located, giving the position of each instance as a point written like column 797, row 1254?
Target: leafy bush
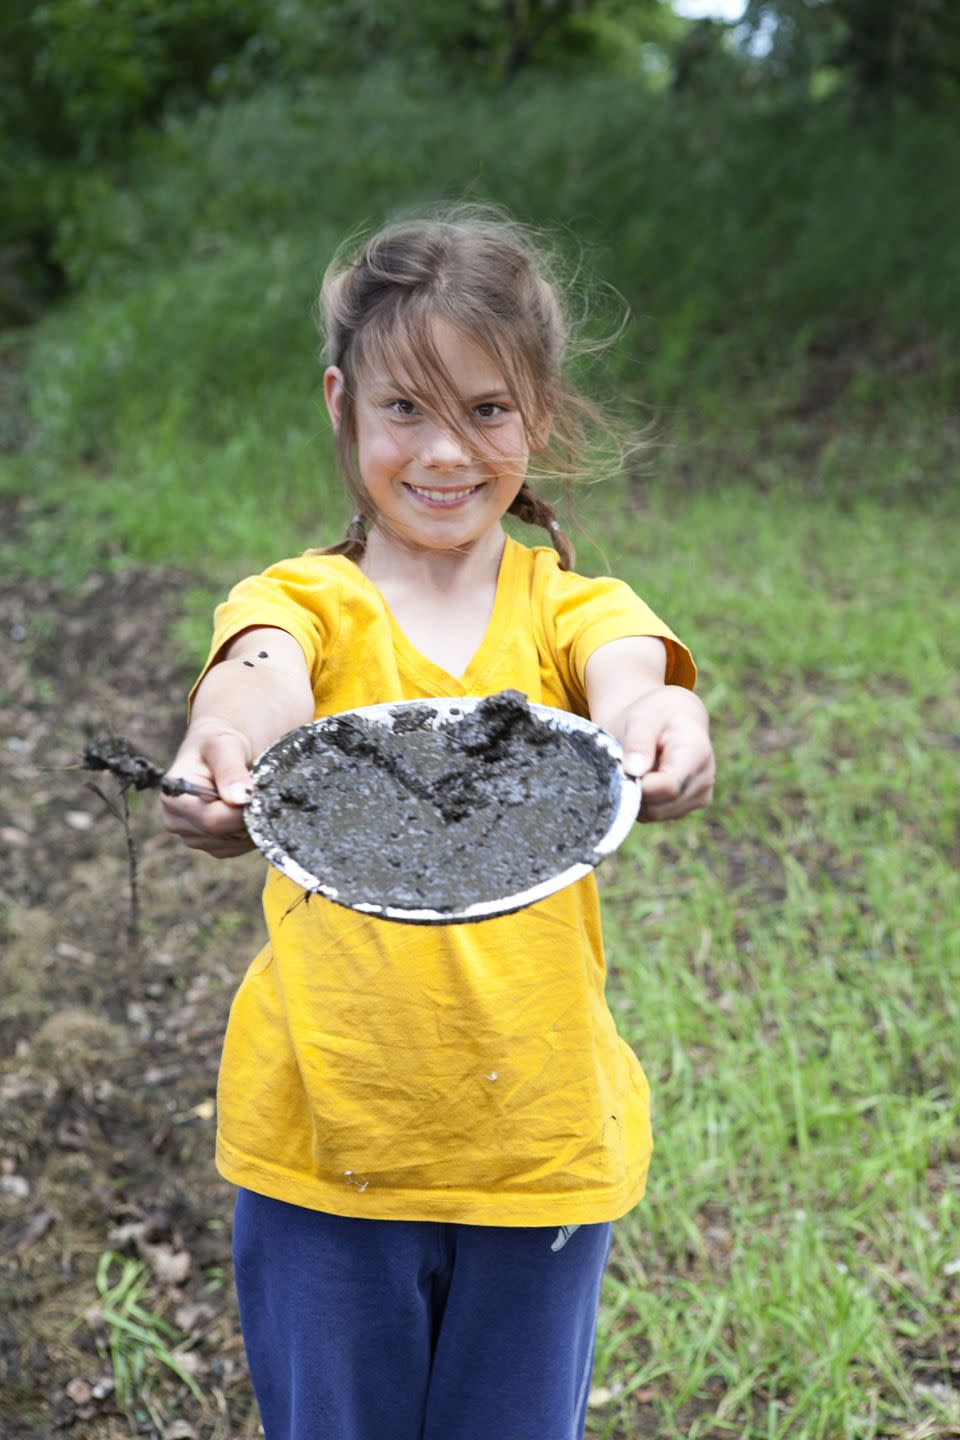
column 745, row 238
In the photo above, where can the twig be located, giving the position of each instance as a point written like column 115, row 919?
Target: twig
column 121, row 812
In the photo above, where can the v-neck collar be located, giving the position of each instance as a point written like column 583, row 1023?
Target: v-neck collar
column 432, row 678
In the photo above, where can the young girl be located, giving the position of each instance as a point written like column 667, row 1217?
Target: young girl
column 431, row 1128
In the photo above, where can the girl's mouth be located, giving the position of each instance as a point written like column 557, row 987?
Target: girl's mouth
column 441, row 499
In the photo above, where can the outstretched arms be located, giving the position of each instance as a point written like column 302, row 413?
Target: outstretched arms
column 258, row 689
column 664, row 729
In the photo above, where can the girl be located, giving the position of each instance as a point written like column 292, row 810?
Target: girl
column 431, row 1129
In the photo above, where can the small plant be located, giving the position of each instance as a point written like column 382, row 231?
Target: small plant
column 139, row 1340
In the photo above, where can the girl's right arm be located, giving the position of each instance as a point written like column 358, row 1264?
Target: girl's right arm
column 257, row 690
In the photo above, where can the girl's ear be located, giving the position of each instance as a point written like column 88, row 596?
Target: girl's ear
column 333, row 389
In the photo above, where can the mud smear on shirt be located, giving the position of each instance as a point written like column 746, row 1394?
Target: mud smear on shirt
column 438, row 816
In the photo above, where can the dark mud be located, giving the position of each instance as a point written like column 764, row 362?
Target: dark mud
column 121, row 759
column 437, row 816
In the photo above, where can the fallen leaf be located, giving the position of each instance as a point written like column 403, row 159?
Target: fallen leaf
column 179, row 1430
column 170, row 1266
column 188, row 1317
column 78, row 1391
column 72, row 1139
column 66, row 951
column 189, row 1361
column 131, row 1230
column 36, row 1227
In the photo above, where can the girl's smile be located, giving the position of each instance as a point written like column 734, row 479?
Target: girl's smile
column 445, row 499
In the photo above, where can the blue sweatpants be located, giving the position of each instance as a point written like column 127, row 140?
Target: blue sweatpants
column 415, row 1330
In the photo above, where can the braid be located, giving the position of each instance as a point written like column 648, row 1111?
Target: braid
column 353, row 544
column 534, row 510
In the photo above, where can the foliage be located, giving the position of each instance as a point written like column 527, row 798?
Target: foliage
column 87, row 90
column 77, row 81
column 83, row 85
column 877, row 48
column 750, row 246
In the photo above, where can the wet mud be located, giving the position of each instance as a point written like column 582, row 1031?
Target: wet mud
column 116, row 755
column 437, row 813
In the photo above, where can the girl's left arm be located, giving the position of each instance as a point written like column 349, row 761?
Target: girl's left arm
column 664, row 729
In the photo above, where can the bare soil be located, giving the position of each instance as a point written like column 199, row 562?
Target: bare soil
column 109, row 1051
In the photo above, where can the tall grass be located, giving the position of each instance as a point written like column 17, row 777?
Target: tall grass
column 788, row 967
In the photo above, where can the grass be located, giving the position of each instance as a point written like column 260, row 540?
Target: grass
column 140, row 1341
column 786, row 964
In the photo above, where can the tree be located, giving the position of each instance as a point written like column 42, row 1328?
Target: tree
column 877, row 47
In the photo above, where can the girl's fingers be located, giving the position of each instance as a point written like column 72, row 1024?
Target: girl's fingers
column 187, row 815
column 673, row 810
column 219, row 849
column 216, row 762
column 682, row 782
column 226, row 757
column 212, row 826
column 201, row 834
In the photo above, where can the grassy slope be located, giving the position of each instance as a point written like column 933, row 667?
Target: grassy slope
column 785, row 965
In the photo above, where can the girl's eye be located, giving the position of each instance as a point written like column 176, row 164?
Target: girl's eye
column 402, row 407
column 489, row 410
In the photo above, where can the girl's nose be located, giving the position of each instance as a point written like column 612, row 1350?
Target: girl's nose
column 443, row 450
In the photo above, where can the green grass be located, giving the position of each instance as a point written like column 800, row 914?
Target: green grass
column 786, row 965
column 141, row 1342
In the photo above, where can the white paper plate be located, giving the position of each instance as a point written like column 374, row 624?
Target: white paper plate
column 625, row 805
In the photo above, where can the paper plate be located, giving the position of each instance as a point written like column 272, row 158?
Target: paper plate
column 269, row 770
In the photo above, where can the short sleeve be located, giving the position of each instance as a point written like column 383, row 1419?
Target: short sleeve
column 291, row 596
column 580, row 613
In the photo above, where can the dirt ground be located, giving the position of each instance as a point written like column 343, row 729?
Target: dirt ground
column 108, row 1051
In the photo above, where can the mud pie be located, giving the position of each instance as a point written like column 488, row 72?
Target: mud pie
column 441, row 810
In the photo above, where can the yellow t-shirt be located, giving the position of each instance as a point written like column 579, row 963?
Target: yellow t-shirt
column 468, row 1073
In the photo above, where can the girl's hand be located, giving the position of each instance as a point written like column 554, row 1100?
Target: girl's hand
column 666, row 741
column 217, row 756
column 664, row 729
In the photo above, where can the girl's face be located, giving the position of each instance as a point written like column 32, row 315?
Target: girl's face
column 428, row 485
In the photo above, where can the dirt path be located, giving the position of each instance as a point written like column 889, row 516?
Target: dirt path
column 108, row 1058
